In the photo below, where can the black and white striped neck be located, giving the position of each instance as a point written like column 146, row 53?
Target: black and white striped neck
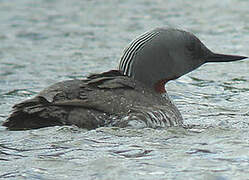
column 128, row 56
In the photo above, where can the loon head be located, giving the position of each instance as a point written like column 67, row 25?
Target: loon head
column 164, row 54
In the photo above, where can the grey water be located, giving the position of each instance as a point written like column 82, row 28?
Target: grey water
column 46, row 41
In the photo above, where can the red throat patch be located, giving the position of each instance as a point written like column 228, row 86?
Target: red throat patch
column 160, row 86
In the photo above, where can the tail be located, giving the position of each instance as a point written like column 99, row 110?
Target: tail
column 34, row 113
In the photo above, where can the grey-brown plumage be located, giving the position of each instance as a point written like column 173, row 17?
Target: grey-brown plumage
column 99, row 100
column 128, row 97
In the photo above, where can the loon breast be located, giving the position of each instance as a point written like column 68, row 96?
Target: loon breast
column 107, row 99
column 153, row 117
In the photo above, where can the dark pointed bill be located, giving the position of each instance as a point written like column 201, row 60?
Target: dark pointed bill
column 224, row 58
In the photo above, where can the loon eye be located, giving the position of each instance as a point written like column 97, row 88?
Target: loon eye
column 195, row 49
column 191, row 46
column 191, row 49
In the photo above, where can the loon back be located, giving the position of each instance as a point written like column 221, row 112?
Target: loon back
column 107, row 99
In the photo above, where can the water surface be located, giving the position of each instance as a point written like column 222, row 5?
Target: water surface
column 43, row 42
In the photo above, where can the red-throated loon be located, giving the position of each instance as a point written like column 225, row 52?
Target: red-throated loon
column 128, row 97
